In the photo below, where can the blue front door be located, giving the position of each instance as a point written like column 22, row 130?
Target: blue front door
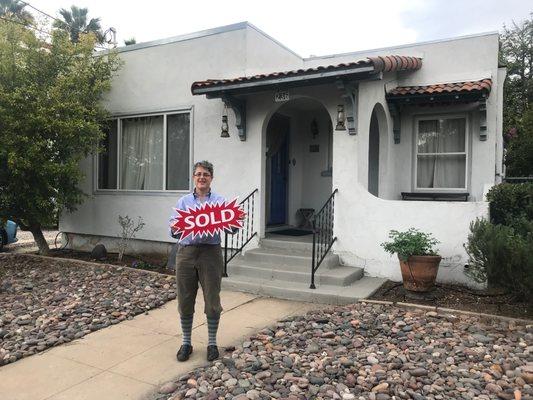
column 278, row 155
column 278, row 184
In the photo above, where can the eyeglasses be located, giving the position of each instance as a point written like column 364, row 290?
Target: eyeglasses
column 202, row 174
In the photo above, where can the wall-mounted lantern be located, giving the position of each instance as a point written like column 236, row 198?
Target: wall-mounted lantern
column 340, row 118
column 225, row 129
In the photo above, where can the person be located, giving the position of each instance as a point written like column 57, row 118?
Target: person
column 199, row 260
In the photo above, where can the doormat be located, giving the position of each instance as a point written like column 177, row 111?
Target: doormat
column 292, row 232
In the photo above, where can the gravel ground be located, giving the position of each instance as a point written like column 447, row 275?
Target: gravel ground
column 47, row 302
column 367, row 351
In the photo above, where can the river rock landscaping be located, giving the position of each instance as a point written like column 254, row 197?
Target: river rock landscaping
column 371, row 351
column 45, row 302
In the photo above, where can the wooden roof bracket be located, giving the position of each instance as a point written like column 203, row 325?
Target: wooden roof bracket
column 349, row 93
column 239, row 109
column 482, row 109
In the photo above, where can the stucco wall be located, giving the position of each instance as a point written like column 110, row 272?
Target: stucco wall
column 160, row 77
column 370, row 219
column 453, row 60
column 265, row 55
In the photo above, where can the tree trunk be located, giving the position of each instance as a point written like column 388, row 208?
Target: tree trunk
column 39, row 239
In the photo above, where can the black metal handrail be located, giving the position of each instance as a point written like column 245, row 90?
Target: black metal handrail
column 240, row 238
column 323, row 237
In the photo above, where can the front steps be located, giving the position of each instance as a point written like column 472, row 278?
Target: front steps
column 281, row 268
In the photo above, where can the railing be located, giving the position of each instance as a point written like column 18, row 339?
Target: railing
column 322, row 234
column 235, row 242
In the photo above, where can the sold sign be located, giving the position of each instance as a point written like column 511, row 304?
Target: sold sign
column 208, row 219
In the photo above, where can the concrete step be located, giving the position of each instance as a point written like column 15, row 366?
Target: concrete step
column 288, row 257
column 326, row 294
column 339, row 275
column 286, row 242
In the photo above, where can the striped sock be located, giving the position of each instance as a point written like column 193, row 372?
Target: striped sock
column 186, row 328
column 212, row 328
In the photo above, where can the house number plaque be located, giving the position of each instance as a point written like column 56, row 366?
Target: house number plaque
column 281, row 96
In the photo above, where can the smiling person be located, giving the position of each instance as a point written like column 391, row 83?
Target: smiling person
column 199, row 260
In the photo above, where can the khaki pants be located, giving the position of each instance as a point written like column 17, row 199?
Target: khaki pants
column 199, row 264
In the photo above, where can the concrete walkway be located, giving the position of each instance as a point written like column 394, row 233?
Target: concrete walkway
column 132, row 359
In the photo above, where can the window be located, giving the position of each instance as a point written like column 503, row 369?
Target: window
column 441, row 156
column 146, row 153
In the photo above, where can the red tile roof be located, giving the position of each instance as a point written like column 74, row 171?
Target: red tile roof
column 379, row 64
column 443, row 88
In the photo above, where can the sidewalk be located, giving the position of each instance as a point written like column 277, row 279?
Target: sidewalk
column 132, row 359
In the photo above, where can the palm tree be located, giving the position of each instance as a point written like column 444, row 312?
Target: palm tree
column 75, row 22
column 14, row 9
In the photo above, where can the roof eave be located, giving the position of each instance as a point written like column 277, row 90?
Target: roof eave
column 297, row 80
column 447, row 97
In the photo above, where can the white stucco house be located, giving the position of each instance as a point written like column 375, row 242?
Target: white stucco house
column 408, row 136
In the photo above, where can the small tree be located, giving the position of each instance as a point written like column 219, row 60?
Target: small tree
column 130, row 41
column 516, row 53
column 519, row 157
column 50, row 119
column 129, row 230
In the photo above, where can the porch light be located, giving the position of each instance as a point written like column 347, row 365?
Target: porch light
column 225, row 130
column 340, row 118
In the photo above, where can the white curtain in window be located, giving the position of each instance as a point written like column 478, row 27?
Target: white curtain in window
column 439, row 169
column 142, row 153
column 178, row 164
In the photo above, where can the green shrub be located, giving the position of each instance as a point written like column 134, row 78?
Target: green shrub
column 410, row 243
column 519, row 157
column 511, row 201
column 502, row 255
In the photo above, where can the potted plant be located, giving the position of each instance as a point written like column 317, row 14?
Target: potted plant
column 419, row 261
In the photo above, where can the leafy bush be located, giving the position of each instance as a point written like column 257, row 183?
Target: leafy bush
column 129, row 230
column 410, row 243
column 510, row 202
column 502, row 255
column 519, row 156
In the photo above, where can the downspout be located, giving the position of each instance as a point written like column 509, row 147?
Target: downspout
column 500, row 167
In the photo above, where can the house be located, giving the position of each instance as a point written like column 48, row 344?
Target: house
column 408, row 136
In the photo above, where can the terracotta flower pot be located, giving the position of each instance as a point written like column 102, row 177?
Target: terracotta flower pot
column 419, row 272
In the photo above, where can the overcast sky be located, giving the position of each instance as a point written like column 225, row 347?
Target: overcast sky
column 307, row 27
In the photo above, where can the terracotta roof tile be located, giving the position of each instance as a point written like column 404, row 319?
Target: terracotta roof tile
column 378, row 63
column 443, row 88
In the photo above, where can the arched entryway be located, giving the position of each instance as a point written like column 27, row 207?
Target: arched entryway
column 377, row 146
column 298, row 157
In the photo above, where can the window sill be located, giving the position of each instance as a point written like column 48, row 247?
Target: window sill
column 435, row 196
column 162, row 193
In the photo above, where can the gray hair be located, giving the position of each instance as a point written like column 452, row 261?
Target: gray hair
column 204, row 164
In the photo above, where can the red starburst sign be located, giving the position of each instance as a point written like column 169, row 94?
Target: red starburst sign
column 207, row 219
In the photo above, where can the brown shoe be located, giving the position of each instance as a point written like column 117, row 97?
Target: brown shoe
column 184, row 352
column 212, row 353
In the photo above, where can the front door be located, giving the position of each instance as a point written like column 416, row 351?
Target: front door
column 278, row 184
column 278, row 153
